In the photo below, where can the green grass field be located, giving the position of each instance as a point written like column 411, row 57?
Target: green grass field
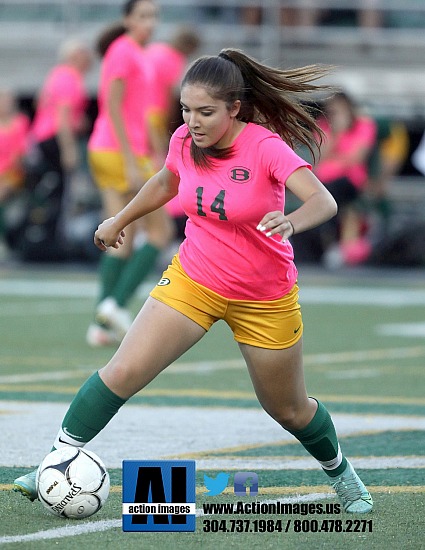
column 364, row 344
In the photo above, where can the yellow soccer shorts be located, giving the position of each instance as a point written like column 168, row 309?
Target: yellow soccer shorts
column 273, row 324
column 158, row 121
column 108, row 171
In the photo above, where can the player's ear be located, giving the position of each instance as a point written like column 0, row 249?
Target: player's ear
column 236, row 107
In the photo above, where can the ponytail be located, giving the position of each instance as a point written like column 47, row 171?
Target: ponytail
column 115, row 30
column 106, row 38
column 274, row 98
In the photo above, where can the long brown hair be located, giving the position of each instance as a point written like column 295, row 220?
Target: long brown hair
column 115, row 30
column 274, row 98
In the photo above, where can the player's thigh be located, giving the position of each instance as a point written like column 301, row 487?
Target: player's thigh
column 278, row 380
column 158, row 336
column 159, row 227
column 113, row 202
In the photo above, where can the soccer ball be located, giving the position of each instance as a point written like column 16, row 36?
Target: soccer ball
column 72, row 482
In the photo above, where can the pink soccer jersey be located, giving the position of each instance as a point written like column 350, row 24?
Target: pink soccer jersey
column 223, row 249
column 124, row 60
column 64, row 86
column 361, row 135
column 169, row 65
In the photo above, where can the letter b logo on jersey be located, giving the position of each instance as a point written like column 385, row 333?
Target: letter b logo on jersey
column 159, row 495
column 239, row 174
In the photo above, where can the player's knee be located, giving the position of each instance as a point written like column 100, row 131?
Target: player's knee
column 119, row 378
column 289, row 417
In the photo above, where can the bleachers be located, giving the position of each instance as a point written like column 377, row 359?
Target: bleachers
column 382, row 66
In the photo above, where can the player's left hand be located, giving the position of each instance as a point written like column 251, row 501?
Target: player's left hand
column 107, row 234
column 275, row 223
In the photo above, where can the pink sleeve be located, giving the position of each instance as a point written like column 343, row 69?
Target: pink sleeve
column 361, row 136
column 279, row 159
column 118, row 62
column 367, row 131
column 175, row 69
column 175, row 149
column 66, row 89
column 169, row 66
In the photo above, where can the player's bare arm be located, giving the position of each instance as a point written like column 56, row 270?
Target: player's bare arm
column 318, row 206
column 161, row 188
column 115, row 101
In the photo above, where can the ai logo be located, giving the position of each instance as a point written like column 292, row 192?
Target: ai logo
column 159, row 495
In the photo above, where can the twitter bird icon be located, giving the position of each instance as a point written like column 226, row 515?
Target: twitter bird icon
column 216, row 485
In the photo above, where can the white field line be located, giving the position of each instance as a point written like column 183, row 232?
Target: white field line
column 300, row 463
column 412, row 330
column 44, row 307
column 63, row 532
column 368, row 296
column 385, row 297
column 46, row 376
column 211, row 436
column 200, row 367
column 55, row 288
column 104, row 525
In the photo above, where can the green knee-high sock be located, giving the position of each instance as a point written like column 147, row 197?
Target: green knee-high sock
column 111, row 268
column 138, row 267
column 320, row 440
column 91, row 409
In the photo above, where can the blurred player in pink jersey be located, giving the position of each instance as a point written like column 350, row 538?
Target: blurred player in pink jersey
column 121, row 153
column 170, row 61
column 14, row 128
column 343, row 167
column 230, row 164
column 59, row 123
column 61, row 104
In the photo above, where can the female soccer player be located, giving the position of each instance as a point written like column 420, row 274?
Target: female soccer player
column 120, row 159
column 229, row 163
column 349, row 137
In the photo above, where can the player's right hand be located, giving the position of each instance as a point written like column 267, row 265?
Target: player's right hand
column 107, row 235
